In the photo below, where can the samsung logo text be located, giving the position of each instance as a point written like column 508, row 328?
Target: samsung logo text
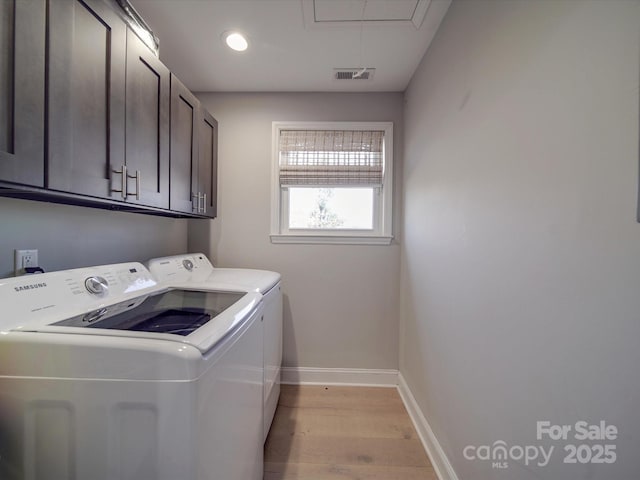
column 31, row 286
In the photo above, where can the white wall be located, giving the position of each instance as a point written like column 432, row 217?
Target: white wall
column 68, row 236
column 521, row 252
column 341, row 301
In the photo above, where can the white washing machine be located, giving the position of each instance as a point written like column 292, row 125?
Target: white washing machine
column 105, row 375
column 196, row 269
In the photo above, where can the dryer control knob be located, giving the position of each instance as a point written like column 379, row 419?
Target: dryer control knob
column 188, row 264
column 96, row 285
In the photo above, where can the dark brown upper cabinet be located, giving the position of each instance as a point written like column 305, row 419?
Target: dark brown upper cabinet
column 108, row 108
column 194, row 147
column 22, row 74
column 184, row 193
column 85, row 114
column 147, row 147
column 86, row 92
column 208, row 163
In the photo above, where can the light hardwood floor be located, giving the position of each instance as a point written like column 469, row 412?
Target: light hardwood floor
column 343, row 433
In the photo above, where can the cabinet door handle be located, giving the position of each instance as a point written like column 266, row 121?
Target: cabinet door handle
column 204, row 203
column 138, row 184
column 123, row 184
column 138, row 177
column 199, row 208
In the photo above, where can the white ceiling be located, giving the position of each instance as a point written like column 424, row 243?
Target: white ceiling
column 294, row 45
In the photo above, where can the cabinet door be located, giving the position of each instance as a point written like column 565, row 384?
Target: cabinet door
column 22, row 41
column 87, row 48
column 147, row 146
column 208, row 162
column 184, row 194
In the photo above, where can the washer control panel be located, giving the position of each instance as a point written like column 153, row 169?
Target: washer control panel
column 192, row 267
column 48, row 297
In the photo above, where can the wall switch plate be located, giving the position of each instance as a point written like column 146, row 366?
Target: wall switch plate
column 24, row 259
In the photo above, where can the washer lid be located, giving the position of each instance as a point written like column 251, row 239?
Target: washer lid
column 196, row 317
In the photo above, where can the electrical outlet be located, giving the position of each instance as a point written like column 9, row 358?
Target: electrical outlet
column 24, row 259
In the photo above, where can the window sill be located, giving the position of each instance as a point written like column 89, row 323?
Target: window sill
column 332, row 239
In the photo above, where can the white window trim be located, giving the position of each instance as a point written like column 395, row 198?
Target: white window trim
column 382, row 233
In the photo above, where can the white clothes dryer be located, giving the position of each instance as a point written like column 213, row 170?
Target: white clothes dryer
column 196, row 269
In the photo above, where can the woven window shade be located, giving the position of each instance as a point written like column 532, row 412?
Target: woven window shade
column 331, row 157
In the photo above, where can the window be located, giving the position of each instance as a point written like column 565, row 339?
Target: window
column 332, row 182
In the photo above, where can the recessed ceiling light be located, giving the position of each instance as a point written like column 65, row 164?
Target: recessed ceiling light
column 236, row 41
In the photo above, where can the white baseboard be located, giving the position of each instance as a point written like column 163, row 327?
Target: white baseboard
column 439, row 460
column 339, row 376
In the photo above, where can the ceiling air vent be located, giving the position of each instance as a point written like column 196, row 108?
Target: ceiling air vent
column 353, row 73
